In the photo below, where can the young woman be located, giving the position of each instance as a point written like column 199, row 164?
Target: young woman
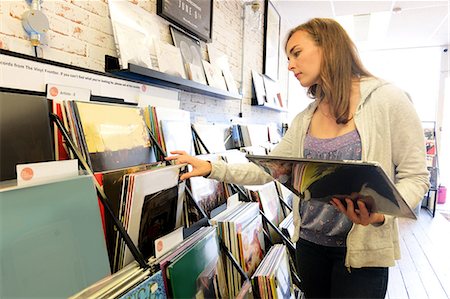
column 341, row 252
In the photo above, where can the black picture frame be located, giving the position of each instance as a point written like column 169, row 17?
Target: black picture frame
column 194, row 16
column 271, row 53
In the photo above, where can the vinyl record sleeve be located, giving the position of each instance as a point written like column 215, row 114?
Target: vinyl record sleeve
column 177, row 135
column 148, row 186
column 104, row 285
column 323, row 179
column 25, row 135
column 213, row 136
column 190, row 51
column 259, row 89
column 251, row 245
column 184, row 270
column 221, row 60
column 115, row 135
column 150, row 287
column 170, row 60
column 208, row 193
column 195, row 73
column 134, row 34
column 112, row 186
column 51, row 239
column 214, row 76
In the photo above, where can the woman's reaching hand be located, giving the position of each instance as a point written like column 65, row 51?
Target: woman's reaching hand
column 199, row 167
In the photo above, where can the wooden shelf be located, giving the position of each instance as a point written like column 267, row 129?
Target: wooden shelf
column 156, row 78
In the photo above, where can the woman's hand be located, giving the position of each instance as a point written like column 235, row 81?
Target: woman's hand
column 199, row 167
column 359, row 214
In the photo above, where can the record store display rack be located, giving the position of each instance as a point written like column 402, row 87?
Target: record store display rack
column 125, row 224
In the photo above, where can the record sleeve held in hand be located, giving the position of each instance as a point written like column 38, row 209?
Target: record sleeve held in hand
column 323, row 180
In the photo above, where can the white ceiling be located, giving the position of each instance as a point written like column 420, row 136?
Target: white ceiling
column 419, row 24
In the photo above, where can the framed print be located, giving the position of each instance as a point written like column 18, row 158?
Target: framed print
column 272, row 21
column 190, row 49
column 194, row 16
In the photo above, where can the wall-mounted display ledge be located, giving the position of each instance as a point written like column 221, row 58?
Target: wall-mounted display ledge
column 267, row 106
column 29, row 73
column 156, row 78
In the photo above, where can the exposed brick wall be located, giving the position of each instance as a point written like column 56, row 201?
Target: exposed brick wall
column 81, row 34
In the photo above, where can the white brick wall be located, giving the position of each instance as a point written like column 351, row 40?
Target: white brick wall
column 81, row 34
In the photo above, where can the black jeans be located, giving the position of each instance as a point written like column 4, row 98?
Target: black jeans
column 323, row 274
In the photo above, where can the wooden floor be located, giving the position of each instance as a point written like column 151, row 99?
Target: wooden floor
column 424, row 270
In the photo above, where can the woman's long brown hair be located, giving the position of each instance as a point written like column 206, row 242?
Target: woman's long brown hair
column 340, row 65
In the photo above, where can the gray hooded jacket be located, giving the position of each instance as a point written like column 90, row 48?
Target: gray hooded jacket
column 392, row 135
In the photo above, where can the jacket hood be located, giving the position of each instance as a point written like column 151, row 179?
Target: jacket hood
column 369, row 85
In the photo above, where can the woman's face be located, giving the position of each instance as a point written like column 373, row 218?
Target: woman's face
column 304, row 58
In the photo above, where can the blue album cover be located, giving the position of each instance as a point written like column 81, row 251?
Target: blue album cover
column 152, row 287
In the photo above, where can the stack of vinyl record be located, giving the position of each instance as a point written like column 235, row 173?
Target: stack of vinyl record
column 287, row 225
column 171, row 128
column 151, row 204
column 210, row 195
column 272, row 279
column 269, row 200
column 148, row 201
column 130, row 282
column 110, row 136
column 240, row 228
column 192, row 269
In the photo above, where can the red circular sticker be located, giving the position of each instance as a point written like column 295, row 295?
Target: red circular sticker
column 144, row 88
column 26, row 174
column 54, row 91
column 159, row 245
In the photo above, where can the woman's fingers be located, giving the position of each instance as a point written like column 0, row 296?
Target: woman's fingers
column 199, row 167
column 179, row 157
column 186, row 176
column 338, row 204
column 358, row 213
column 203, row 168
column 350, row 211
column 178, row 153
column 363, row 212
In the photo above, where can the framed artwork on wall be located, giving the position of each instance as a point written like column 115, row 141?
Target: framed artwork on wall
column 272, row 22
column 190, row 49
column 194, row 16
